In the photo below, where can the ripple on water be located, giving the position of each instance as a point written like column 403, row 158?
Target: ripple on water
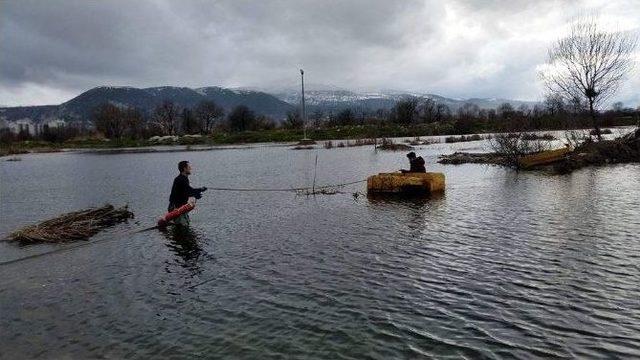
column 504, row 265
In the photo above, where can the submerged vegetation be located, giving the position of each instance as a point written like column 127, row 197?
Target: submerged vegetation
column 388, row 144
column 463, row 138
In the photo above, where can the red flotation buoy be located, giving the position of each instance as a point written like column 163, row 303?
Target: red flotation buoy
column 163, row 221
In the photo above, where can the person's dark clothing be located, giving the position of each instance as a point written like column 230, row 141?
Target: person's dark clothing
column 417, row 165
column 181, row 191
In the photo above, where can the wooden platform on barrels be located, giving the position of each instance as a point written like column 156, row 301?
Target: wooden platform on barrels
column 406, row 183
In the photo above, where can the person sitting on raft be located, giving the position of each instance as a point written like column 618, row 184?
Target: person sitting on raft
column 416, row 163
column 182, row 192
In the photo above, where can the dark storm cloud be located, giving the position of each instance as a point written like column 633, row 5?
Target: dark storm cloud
column 50, row 50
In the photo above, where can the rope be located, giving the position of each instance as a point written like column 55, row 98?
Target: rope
column 285, row 189
column 69, row 248
column 72, row 247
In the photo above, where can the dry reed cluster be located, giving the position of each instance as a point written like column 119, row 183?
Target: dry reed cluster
column 78, row 225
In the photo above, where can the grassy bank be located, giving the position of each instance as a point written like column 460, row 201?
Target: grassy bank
column 335, row 133
column 225, row 138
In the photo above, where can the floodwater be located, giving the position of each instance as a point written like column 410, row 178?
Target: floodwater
column 505, row 265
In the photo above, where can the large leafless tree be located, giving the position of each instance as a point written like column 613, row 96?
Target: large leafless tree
column 167, row 116
column 209, row 114
column 109, row 120
column 589, row 64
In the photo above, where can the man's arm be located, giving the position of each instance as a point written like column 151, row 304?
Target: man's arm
column 194, row 192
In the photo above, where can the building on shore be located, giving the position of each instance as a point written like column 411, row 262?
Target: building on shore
column 24, row 125
column 27, row 125
column 51, row 124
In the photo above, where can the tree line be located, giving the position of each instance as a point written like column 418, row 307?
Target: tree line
column 170, row 119
column 554, row 113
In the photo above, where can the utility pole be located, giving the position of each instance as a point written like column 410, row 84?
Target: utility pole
column 304, row 113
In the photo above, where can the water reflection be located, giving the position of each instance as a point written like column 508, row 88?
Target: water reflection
column 185, row 243
column 405, row 199
column 507, row 265
column 413, row 212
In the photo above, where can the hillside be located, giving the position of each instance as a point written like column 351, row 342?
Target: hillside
column 275, row 105
column 328, row 98
column 82, row 106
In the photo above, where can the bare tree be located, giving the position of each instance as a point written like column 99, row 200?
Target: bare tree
column 468, row 110
column 554, row 104
column 316, row 118
column 241, row 118
column 293, row 121
column 427, row 110
column 167, row 116
column 263, row 122
column 134, row 121
column 109, row 120
column 346, row 117
column 442, row 112
column 209, row 114
column 190, row 123
column 505, row 110
column 524, row 110
column 512, row 146
column 589, row 64
column 405, row 111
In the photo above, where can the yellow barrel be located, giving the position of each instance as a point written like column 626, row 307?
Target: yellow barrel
column 407, row 183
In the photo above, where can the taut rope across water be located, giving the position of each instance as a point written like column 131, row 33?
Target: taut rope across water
column 294, row 189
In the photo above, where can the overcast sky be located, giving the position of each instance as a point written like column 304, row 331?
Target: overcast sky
column 52, row 50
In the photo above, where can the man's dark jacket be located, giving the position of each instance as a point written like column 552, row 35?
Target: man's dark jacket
column 181, row 191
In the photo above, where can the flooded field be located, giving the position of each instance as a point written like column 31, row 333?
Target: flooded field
column 506, row 264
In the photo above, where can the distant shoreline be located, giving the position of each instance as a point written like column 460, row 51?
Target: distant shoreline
column 224, row 141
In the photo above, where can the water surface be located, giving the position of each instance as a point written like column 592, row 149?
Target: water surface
column 506, row 264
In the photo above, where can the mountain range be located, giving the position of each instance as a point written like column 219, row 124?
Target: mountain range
column 275, row 103
column 329, row 98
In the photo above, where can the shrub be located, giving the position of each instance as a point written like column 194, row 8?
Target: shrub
column 514, row 147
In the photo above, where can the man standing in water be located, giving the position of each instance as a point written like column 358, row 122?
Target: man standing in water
column 182, row 192
column 416, row 164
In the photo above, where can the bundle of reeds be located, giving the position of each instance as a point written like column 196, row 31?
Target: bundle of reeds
column 78, row 225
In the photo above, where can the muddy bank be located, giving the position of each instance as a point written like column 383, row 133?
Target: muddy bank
column 619, row 151
column 458, row 158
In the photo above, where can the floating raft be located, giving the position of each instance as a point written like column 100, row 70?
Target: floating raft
column 407, row 183
column 543, row 158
